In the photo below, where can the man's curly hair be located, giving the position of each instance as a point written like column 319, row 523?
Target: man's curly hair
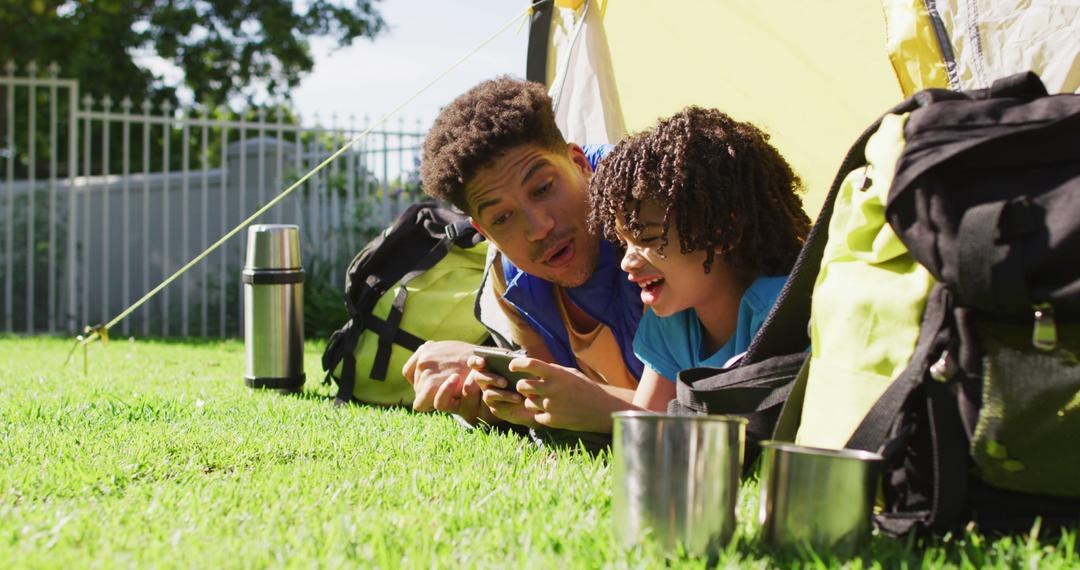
column 718, row 180
column 480, row 126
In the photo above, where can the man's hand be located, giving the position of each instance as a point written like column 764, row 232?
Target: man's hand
column 438, row 372
column 503, row 403
column 557, row 396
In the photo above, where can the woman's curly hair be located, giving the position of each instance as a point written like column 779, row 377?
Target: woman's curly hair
column 480, row 126
column 718, row 180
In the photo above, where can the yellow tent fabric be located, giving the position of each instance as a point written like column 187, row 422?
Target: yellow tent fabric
column 967, row 44
column 913, row 46
column 813, row 75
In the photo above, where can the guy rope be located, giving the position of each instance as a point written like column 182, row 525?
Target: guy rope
column 101, row 332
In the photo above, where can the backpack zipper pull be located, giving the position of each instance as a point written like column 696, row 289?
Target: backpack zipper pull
column 1044, row 336
column 944, row 369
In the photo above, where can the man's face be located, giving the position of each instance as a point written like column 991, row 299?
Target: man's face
column 533, row 203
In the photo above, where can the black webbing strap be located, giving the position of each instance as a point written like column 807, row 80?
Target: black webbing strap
column 975, row 240
column 389, row 331
column 950, row 456
column 401, row 338
column 347, row 382
column 388, row 334
column 989, row 272
column 874, row 430
column 949, row 465
column 740, row 390
column 460, row 235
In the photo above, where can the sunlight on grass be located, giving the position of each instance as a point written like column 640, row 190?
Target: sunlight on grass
column 161, row 457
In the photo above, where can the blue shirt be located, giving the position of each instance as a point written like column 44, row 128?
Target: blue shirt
column 670, row 344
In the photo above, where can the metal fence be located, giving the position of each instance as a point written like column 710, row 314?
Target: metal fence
column 102, row 200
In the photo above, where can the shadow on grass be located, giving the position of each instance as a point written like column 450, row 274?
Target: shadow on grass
column 593, row 444
column 967, row 549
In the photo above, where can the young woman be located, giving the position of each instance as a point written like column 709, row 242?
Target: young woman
column 711, row 221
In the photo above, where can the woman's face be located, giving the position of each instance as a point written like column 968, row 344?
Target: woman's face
column 671, row 281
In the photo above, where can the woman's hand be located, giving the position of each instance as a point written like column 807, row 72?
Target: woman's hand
column 562, row 397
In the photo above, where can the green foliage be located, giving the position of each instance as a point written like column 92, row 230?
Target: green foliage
column 324, row 299
column 34, row 260
column 324, row 282
column 225, row 48
column 160, row 457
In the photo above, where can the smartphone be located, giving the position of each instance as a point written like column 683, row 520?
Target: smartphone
column 497, row 361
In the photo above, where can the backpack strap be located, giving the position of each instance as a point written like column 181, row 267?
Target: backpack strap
column 950, row 466
column 458, row 233
column 785, row 329
column 347, row 382
column 388, row 335
column 949, row 453
column 462, row 234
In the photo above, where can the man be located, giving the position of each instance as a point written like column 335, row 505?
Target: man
column 496, row 153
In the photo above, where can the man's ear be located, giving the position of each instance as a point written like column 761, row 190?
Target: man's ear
column 578, row 158
column 479, row 229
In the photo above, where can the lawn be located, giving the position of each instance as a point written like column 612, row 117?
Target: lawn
column 160, row 457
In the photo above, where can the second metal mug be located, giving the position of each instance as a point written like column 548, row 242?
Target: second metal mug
column 676, row 479
column 814, row 497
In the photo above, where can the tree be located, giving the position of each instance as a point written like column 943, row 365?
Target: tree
column 227, row 49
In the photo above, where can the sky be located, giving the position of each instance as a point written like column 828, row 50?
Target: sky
column 425, row 37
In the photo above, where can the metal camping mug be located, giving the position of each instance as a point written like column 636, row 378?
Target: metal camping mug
column 814, row 497
column 274, row 308
column 676, row 479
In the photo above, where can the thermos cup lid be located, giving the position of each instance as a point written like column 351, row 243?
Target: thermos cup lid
column 273, row 246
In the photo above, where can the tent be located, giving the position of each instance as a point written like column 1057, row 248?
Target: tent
column 812, row 74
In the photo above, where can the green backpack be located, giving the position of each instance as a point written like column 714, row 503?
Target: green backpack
column 939, row 291
column 416, row 282
column 945, row 317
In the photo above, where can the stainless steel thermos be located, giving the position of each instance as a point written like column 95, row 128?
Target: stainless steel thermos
column 274, row 308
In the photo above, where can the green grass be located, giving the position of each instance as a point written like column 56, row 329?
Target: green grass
column 160, row 457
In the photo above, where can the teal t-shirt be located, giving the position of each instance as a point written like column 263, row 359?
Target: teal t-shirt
column 670, row 344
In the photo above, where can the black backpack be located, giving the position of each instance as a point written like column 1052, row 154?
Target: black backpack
column 413, row 283
column 981, row 425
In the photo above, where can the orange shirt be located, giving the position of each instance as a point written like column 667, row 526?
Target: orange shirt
column 596, row 351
